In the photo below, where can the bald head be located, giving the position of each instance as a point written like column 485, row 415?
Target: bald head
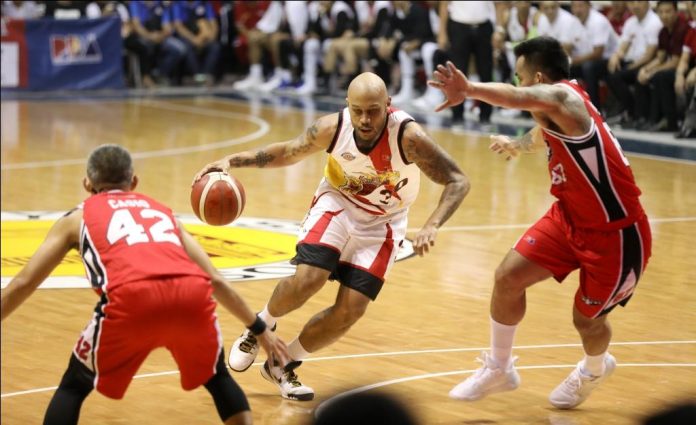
column 367, row 103
column 366, row 85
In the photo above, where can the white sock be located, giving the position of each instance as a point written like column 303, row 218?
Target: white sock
column 256, row 71
column 266, row 317
column 501, row 343
column 593, row 365
column 297, row 351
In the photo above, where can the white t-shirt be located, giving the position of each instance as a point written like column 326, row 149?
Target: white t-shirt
column 640, row 34
column 565, row 28
column 597, row 31
column 471, row 12
column 515, row 30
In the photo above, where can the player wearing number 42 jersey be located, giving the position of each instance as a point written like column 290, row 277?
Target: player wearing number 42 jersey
column 357, row 220
column 596, row 225
column 155, row 285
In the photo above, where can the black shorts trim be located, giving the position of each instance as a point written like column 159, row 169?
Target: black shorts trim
column 348, row 275
column 321, row 256
column 359, row 280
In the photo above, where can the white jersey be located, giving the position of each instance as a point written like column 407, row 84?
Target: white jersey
column 379, row 182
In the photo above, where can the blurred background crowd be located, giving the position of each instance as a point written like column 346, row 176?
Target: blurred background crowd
column 636, row 59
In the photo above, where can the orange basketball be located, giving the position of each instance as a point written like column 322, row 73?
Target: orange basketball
column 218, row 198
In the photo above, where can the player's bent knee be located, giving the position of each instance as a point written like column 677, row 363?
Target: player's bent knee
column 228, row 396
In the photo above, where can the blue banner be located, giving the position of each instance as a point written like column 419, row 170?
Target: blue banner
column 74, row 54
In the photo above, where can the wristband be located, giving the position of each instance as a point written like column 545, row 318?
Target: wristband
column 258, row 327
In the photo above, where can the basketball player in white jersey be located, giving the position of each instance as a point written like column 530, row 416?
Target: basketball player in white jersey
column 357, row 220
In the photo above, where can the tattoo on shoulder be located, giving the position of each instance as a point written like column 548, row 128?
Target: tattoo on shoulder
column 312, row 132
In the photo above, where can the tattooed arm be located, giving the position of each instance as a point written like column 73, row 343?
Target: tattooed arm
column 440, row 167
column 530, row 142
column 316, row 138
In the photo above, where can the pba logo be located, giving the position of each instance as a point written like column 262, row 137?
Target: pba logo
column 69, row 49
column 249, row 249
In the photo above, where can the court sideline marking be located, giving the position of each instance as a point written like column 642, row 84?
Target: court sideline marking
column 409, row 352
column 264, row 128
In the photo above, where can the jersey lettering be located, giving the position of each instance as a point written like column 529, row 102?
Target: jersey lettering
column 123, row 225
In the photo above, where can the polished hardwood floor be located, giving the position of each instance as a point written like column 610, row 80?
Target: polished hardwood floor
column 423, row 333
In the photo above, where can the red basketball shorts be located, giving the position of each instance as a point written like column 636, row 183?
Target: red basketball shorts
column 610, row 262
column 177, row 314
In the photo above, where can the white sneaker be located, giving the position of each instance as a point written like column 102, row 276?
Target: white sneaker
column 578, row 386
column 487, row 380
column 402, row 97
column 247, row 83
column 306, row 89
column 271, row 84
column 286, row 379
column 243, row 352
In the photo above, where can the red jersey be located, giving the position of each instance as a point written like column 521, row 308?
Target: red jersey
column 590, row 175
column 127, row 237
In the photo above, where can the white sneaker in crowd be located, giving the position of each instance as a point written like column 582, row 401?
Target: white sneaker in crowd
column 578, row 386
column 487, row 380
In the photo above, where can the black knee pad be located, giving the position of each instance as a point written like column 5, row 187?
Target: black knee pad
column 227, row 394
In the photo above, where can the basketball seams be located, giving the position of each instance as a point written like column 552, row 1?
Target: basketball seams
column 204, row 196
column 219, row 199
column 237, row 194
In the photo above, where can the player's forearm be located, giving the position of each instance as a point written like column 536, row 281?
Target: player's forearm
column 232, row 302
column 14, row 295
column 527, row 142
column 452, row 196
column 507, row 96
column 269, row 156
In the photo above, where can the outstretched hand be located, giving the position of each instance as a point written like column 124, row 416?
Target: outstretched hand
column 453, row 84
column 220, row 165
column 504, row 145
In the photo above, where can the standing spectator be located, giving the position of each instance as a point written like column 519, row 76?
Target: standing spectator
column 637, row 47
column 153, row 41
column 515, row 25
column 466, row 28
column 656, row 79
column 196, row 25
column 15, row 9
column 685, row 80
column 593, row 48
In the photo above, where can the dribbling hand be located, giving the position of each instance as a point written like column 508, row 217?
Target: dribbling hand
column 221, row 165
column 274, row 347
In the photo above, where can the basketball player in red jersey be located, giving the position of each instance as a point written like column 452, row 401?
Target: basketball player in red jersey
column 597, row 224
column 357, row 220
column 155, row 284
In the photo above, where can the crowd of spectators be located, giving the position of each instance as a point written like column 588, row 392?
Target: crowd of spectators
column 636, row 59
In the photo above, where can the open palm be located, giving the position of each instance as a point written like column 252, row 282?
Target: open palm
column 452, row 82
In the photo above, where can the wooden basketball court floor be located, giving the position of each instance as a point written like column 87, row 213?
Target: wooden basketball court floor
column 429, row 323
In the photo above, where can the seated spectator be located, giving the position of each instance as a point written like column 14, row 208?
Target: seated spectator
column 617, row 13
column 656, row 79
column 65, row 9
column 637, row 47
column 593, row 48
column 286, row 46
column 246, row 14
column 685, row 80
column 560, row 24
column 414, row 33
column 195, row 24
column 152, row 40
column 374, row 22
column 21, row 10
column 328, row 20
column 262, row 38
